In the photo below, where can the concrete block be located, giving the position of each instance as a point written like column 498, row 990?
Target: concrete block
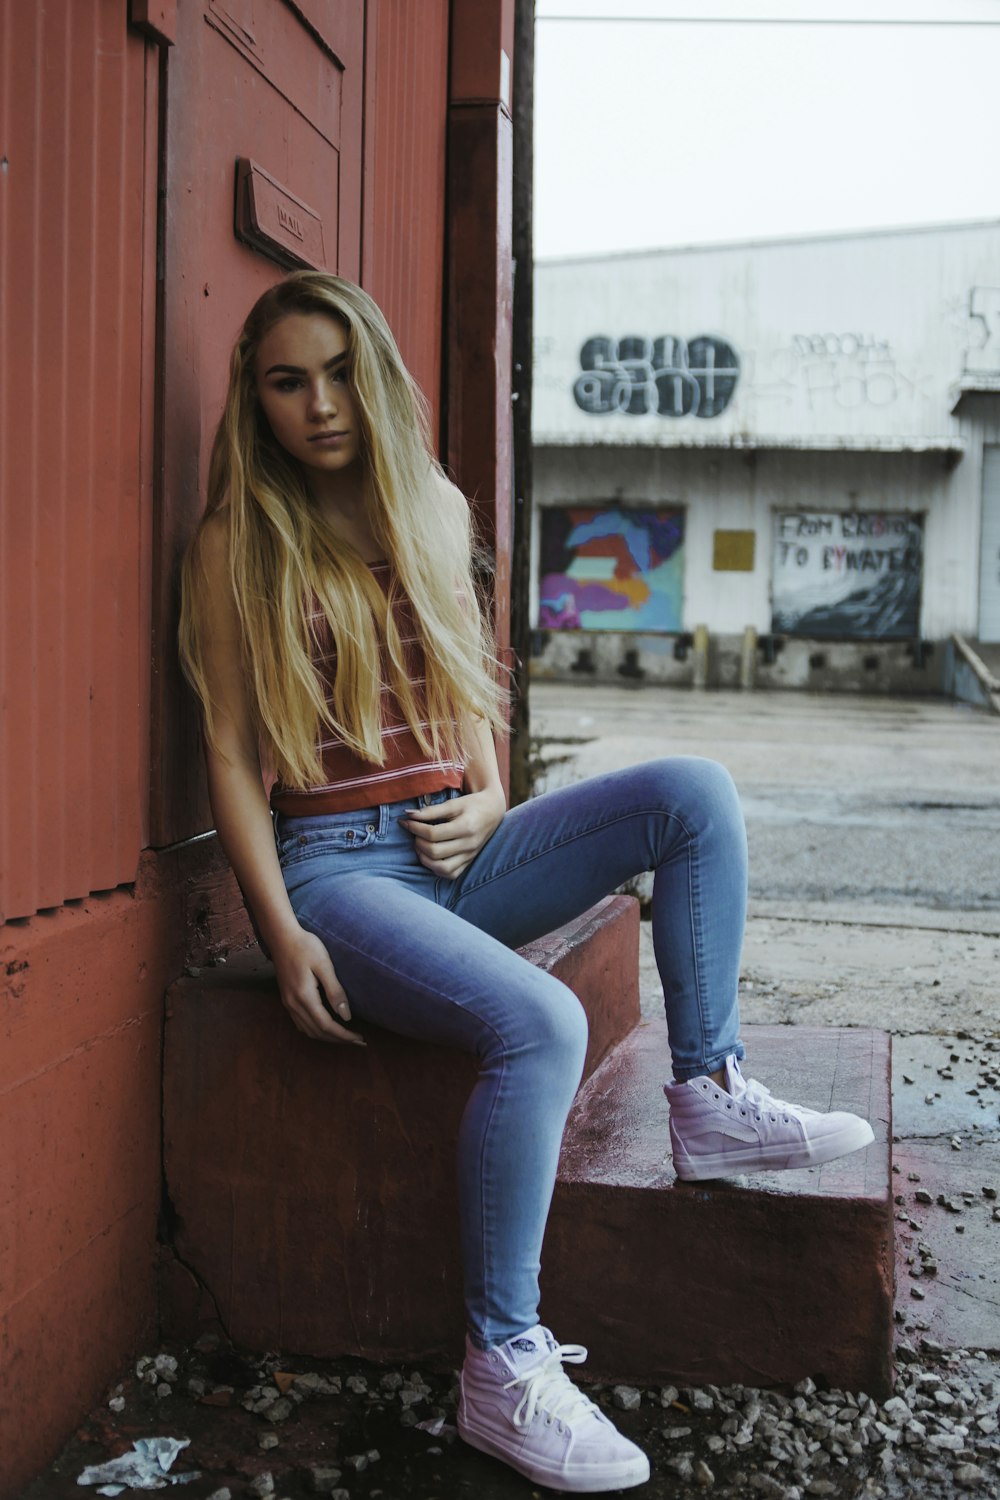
column 312, row 1186
column 761, row 1280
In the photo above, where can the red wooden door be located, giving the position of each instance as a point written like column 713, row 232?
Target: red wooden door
column 77, row 312
column 263, row 144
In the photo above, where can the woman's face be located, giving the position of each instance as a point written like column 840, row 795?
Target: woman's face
column 304, row 388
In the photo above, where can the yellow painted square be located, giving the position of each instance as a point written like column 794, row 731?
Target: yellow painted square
column 733, row 551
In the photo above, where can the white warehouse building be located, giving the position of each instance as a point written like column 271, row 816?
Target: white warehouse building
column 797, row 440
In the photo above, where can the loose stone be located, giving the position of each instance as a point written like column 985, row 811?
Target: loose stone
column 626, row 1398
column 703, row 1474
column 279, row 1411
column 969, row 1475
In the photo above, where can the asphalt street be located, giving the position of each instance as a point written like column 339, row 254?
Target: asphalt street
column 873, row 829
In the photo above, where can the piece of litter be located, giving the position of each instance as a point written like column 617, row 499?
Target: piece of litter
column 436, row 1426
column 145, row 1467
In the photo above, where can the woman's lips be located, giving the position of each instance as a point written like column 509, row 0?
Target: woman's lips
column 328, row 439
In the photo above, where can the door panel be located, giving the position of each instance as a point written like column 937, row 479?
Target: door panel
column 989, row 547
column 280, row 84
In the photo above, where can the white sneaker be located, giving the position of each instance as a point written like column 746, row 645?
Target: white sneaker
column 518, row 1404
column 716, row 1134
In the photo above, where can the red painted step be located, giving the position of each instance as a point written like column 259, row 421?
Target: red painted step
column 760, row 1280
column 313, row 1187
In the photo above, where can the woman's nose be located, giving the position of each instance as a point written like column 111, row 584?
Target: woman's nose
column 322, row 401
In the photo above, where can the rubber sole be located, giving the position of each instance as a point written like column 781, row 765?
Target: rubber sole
column 777, row 1158
column 595, row 1480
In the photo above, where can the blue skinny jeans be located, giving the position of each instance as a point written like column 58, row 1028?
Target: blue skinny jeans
column 434, row 958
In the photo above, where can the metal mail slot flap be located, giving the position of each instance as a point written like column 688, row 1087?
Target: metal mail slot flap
column 275, row 222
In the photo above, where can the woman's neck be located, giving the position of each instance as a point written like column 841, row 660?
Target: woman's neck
column 341, row 502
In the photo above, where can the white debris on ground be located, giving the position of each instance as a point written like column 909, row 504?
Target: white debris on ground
column 144, row 1468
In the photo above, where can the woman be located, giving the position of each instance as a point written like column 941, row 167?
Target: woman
column 331, row 629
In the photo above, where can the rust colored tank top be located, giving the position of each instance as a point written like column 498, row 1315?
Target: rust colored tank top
column 349, row 781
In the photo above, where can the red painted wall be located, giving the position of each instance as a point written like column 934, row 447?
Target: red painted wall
column 91, row 520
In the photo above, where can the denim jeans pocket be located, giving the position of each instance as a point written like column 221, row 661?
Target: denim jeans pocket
column 328, row 833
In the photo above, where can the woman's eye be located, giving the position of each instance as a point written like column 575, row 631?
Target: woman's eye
column 288, row 384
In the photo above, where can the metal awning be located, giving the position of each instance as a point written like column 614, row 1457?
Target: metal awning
column 976, row 385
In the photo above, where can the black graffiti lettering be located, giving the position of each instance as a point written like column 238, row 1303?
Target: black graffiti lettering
column 665, row 376
column 839, row 345
column 800, row 525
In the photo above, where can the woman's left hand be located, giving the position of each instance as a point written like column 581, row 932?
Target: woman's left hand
column 449, row 835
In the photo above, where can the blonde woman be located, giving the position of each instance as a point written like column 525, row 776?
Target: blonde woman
column 331, row 629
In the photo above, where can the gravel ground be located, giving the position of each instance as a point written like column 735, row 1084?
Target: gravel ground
column 292, row 1428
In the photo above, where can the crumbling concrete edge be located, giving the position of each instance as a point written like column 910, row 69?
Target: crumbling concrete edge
column 989, row 684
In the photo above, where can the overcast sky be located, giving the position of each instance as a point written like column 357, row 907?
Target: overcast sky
column 668, row 134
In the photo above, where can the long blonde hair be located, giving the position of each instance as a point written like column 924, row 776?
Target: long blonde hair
column 283, row 559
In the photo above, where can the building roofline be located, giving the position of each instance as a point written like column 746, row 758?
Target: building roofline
column 542, row 262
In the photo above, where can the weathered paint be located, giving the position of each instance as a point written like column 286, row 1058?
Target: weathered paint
column 480, row 286
column 718, row 1281
column 81, row 1004
column 255, row 82
column 344, row 1237
column 80, row 987
column 403, row 245
column 75, row 271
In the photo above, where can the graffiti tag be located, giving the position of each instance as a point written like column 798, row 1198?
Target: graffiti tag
column 983, row 354
column 666, row 376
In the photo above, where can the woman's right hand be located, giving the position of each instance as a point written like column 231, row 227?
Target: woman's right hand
column 305, row 975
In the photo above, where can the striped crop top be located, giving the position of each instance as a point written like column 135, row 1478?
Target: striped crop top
column 350, row 782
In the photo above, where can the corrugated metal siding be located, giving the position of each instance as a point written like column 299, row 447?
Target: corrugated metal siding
column 405, row 183
column 72, row 726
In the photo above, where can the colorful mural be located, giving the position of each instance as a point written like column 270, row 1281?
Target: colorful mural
column 606, row 568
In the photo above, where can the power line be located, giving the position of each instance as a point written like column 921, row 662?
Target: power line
column 761, row 21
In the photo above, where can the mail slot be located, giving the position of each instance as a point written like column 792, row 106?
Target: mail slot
column 272, row 220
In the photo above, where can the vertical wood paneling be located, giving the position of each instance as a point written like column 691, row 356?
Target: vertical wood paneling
column 403, row 255
column 72, row 719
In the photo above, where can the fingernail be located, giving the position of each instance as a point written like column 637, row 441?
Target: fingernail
column 345, row 1011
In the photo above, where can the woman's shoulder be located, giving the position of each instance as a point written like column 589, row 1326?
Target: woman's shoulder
column 210, row 543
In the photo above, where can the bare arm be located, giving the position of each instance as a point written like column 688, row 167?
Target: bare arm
column 239, row 805
column 451, row 834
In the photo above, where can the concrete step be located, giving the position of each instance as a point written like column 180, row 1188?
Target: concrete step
column 311, row 1187
column 760, row 1280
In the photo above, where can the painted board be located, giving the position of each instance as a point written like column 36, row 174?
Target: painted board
column 611, row 568
column 847, row 575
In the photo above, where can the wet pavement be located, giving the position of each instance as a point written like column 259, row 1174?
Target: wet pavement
column 874, row 902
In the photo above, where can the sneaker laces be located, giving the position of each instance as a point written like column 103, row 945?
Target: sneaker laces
column 548, row 1388
column 762, row 1100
